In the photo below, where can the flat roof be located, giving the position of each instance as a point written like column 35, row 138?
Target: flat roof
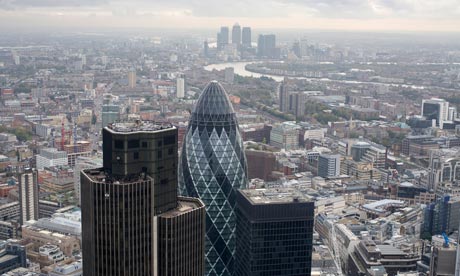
column 184, row 205
column 389, row 250
column 138, row 126
column 274, row 196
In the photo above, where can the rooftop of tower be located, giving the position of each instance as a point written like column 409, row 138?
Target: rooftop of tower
column 138, row 126
column 274, row 196
column 184, row 205
column 100, row 175
column 213, row 100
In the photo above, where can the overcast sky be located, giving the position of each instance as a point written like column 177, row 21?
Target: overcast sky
column 399, row 15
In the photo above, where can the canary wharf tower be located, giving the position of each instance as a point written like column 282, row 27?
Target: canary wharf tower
column 213, row 167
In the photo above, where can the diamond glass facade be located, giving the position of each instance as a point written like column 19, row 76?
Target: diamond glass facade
column 212, row 168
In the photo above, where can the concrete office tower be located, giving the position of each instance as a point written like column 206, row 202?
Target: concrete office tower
column 132, row 78
column 328, row 165
column 28, row 196
column 247, row 37
column 274, row 232
column 283, row 94
column 180, row 86
column 213, row 167
column 236, row 34
column 133, row 223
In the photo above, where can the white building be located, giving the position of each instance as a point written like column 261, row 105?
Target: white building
column 285, row 136
column 50, row 157
column 72, row 269
column 28, row 196
column 83, row 163
column 315, row 134
column 180, row 87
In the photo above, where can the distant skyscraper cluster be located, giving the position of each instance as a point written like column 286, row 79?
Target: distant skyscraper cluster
column 239, row 37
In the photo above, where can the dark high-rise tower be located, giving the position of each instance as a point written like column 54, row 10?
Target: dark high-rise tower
column 274, row 232
column 212, row 167
column 132, row 221
column 236, row 34
column 246, row 37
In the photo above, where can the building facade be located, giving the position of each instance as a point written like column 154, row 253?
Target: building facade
column 274, row 232
column 328, row 165
column 212, row 167
column 28, row 196
column 133, row 223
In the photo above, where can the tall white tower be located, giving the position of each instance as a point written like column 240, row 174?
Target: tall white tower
column 180, row 87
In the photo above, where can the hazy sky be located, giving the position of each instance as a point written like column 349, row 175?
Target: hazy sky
column 404, row 15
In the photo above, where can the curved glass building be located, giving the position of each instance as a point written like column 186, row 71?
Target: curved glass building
column 212, row 167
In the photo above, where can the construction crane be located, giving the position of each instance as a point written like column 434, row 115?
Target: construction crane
column 75, row 137
column 336, row 256
column 62, row 135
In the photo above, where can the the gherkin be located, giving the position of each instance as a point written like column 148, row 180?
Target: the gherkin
column 212, row 167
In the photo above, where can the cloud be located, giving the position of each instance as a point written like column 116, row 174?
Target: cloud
column 346, row 9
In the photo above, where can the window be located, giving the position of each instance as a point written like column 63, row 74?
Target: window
column 144, row 144
column 160, row 154
column 119, row 144
column 133, row 144
column 136, row 155
column 169, row 140
column 170, row 151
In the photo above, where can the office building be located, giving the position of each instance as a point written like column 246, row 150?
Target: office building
column 28, row 196
column 132, row 79
column 83, row 163
column 261, row 164
column 10, row 211
column 247, row 37
column 222, row 37
column 67, row 269
column 12, row 256
column 285, row 136
column 359, row 149
column 329, row 165
column 283, row 94
column 110, row 114
column 444, row 166
column 236, row 34
column 436, row 110
column 443, row 260
column 441, row 216
column 266, row 47
column 212, row 167
column 156, row 232
column 51, row 157
column 180, row 86
column 411, row 139
column 274, row 232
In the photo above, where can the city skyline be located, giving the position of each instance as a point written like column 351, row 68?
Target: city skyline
column 375, row 15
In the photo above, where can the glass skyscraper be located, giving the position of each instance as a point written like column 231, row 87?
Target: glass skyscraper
column 213, row 167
